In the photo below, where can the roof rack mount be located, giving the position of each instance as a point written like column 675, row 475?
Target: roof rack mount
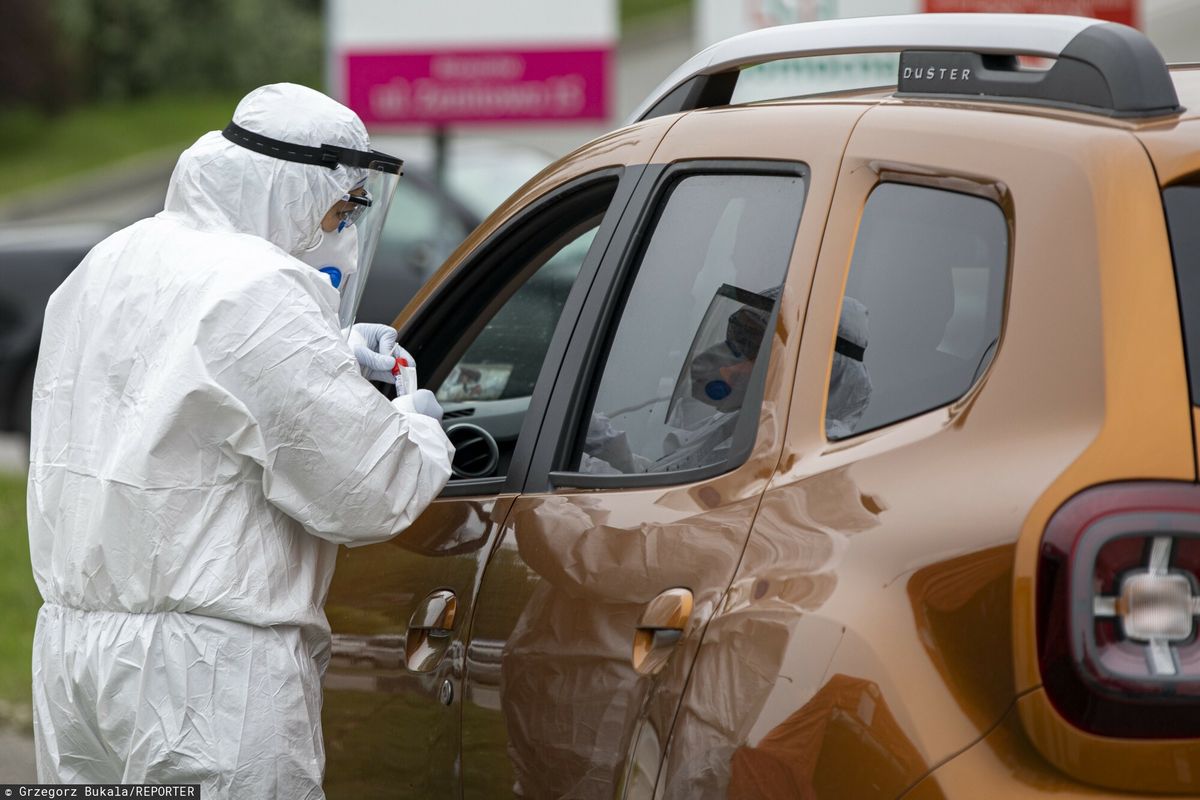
column 1101, row 67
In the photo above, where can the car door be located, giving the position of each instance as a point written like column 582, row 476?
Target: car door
column 662, row 432
column 489, row 337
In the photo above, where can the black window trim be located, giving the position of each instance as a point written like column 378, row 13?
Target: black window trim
column 565, row 413
column 1167, row 193
column 992, row 191
column 472, row 273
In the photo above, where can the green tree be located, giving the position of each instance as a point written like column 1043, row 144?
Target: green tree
column 125, row 49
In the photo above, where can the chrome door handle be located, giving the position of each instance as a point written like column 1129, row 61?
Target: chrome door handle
column 660, row 628
column 429, row 631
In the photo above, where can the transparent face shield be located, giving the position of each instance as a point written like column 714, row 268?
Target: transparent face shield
column 358, row 215
column 364, row 221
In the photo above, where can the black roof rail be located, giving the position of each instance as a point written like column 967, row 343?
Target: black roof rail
column 1100, row 67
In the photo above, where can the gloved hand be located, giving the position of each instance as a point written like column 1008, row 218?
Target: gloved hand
column 422, row 401
column 372, row 344
column 380, row 358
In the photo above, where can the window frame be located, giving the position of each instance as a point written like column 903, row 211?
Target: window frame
column 590, row 346
column 992, row 191
column 1184, row 283
column 483, row 271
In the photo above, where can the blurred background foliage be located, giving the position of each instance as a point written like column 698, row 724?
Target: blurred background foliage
column 86, row 83
column 64, row 53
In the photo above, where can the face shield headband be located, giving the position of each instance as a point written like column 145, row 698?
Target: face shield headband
column 327, row 155
column 368, row 206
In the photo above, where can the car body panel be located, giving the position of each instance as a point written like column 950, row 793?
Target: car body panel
column 1147, row 433
column 387, row 729
column 893, row 536
column 1174, row 148
column 1004, row 765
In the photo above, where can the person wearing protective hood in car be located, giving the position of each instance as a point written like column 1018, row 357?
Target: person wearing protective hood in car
column 203, row 439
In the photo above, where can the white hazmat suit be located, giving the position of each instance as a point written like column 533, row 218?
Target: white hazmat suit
column 202, row 441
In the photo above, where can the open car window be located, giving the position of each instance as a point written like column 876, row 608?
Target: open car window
column 487, row 335
column 503, row 361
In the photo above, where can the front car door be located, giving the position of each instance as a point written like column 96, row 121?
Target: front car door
column 488, row 334
column 664, row 427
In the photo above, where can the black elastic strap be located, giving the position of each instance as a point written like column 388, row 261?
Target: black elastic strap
column 849, row 349
column 327, row 155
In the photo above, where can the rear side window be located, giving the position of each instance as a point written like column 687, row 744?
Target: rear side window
column 1183, row 219
column 689, row 350
column 921, row 314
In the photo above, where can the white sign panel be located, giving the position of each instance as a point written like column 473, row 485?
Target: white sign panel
column 406, row 62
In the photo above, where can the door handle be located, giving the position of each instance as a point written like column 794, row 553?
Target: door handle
column 429, row 631
column 660, row 628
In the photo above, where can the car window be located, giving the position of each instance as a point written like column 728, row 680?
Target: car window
column 481, row 344
column 693, row 326
column 921, row 314
column 1183, row 216
column 504, row 360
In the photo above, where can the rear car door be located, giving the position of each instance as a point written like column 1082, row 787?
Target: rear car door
column 488, row 335
column 663, row 429
column 872, row 631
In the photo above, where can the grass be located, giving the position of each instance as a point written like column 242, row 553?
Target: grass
column 634, row 11
column 19, row 599
column 36, row 150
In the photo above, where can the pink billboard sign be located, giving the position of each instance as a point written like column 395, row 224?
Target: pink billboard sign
column 454, row 86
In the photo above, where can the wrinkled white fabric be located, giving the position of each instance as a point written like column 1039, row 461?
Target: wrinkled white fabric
column 202, row 440
column 849, row 382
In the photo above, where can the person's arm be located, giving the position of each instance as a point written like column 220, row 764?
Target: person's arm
column 336, row 456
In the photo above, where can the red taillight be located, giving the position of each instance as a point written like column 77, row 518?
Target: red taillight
column 1119, row 610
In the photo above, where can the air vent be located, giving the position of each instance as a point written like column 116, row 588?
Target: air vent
column 458, row 412
column 476, row 454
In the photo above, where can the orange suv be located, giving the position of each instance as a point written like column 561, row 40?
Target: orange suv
column 840, row 446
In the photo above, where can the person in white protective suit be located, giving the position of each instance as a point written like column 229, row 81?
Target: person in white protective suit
column 203, row 439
